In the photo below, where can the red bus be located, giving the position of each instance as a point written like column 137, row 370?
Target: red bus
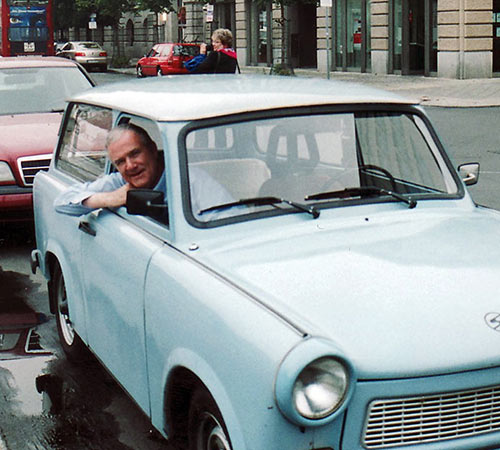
column 26, row 27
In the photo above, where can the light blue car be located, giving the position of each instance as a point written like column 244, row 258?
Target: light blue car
column 344, row 295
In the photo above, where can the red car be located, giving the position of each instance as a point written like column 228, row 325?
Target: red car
column 32, row 92
column 166, row 59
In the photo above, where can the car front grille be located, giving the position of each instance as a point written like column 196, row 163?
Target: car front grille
column 432, row 418
column 29, row 166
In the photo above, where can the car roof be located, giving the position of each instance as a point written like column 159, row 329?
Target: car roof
column 13, row 62
column 190, row 97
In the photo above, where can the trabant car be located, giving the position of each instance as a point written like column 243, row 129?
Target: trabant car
column 346, row 297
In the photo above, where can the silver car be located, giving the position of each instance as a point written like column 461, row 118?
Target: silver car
column 88, row 54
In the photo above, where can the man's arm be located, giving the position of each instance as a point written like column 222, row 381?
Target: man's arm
column 108, row 191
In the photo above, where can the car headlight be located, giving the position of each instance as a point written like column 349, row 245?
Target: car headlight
column 320, row 388
column 314, row 383
column 5, row 173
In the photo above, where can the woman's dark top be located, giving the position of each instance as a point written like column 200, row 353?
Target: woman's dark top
column 222, row 61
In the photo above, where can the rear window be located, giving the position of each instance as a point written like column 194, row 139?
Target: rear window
column 89, row 45
column 39, row 89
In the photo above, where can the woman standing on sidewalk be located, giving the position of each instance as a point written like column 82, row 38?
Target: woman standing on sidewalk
column 222, row 59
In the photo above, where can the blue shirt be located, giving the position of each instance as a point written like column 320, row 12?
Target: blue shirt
column 205, row 192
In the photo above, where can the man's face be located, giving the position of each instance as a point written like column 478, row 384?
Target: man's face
column 137, row 164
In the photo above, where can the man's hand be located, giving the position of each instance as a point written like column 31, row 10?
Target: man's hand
column 112, row 199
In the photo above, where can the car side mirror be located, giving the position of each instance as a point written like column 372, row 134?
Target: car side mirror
column 469, row 173
column 146, row 202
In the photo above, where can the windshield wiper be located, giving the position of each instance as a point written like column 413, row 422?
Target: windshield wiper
column 360, row 192
column 262, row 201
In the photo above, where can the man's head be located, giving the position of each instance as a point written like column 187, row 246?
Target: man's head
column 135, row 155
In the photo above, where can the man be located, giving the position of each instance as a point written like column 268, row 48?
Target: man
column 140, row 165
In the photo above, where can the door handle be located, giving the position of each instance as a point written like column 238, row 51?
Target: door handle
column 86, row 228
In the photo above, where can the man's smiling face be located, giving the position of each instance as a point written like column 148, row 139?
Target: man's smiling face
column 137, row 163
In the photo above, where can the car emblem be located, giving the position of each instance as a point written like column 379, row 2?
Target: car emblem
column 492, row 319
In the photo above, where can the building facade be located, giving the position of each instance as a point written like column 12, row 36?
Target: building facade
column 445, row 38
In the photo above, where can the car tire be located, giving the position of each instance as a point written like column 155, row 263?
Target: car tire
column 104, row 68
column 159, row 72
column 140, row 73
column 73, row 346
column 206, row 427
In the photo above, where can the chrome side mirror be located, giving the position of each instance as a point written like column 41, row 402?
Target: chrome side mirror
column 469, row 173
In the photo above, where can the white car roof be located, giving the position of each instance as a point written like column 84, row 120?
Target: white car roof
column 190, row 97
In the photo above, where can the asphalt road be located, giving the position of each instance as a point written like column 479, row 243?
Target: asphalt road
column 48, row 403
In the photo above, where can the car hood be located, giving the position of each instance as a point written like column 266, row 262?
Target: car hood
column 402, row 294
column 28, row 134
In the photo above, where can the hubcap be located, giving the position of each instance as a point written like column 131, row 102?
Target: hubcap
column 63, row 315
column 211, row 434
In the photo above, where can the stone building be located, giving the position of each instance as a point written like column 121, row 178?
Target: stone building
column 445, row 38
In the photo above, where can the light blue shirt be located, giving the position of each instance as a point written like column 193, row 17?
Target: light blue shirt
column 205, row 192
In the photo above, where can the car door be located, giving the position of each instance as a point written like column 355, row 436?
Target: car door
column 116, row 250
column 151, row 60
column 165, row 60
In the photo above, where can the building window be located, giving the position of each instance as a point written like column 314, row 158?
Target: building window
column 130, row 32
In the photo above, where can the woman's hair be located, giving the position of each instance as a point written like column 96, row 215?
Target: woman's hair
column 224, row 35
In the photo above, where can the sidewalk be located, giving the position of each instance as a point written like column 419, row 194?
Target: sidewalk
column 429, row 91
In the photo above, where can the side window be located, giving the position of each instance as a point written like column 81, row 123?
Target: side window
column 82, row 151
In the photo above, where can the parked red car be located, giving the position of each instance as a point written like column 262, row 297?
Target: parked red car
column 166, row 59
column 32, row 92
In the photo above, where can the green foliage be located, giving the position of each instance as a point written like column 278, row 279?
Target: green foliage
column 156, row 6
column 120, row 61
column 281, row 69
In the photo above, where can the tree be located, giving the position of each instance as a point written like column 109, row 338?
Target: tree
column 157, row 7
column 109, row 13
column 66, row 15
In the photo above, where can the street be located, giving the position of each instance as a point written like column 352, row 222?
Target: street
column 49, row 403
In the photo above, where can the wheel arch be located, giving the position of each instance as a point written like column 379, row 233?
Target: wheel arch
column 181, row 382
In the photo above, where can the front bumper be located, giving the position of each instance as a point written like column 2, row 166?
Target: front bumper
column 16, row 203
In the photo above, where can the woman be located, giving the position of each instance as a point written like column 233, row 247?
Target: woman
column 223, row 58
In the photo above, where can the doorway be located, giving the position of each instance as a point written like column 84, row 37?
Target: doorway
column 413, row 31
column 496, row 35
column 352, row 35
column 303, row 35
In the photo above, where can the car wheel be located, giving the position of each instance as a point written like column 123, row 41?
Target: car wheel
column 70, row 341
column 158, row 72
column 207, row 429
column 140, row 73
column 104, row 68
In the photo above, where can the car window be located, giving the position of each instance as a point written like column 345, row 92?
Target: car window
column 91, row 45
column 186, row 50
column 153, row 52
column 82, row 151
column 295, row 158
column 165, row 50
column 39, row 89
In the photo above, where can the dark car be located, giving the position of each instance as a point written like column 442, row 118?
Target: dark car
column 166, row 59
column 33, row 91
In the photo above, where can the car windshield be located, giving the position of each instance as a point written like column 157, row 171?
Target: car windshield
column 39, row 89
column 320, row 161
